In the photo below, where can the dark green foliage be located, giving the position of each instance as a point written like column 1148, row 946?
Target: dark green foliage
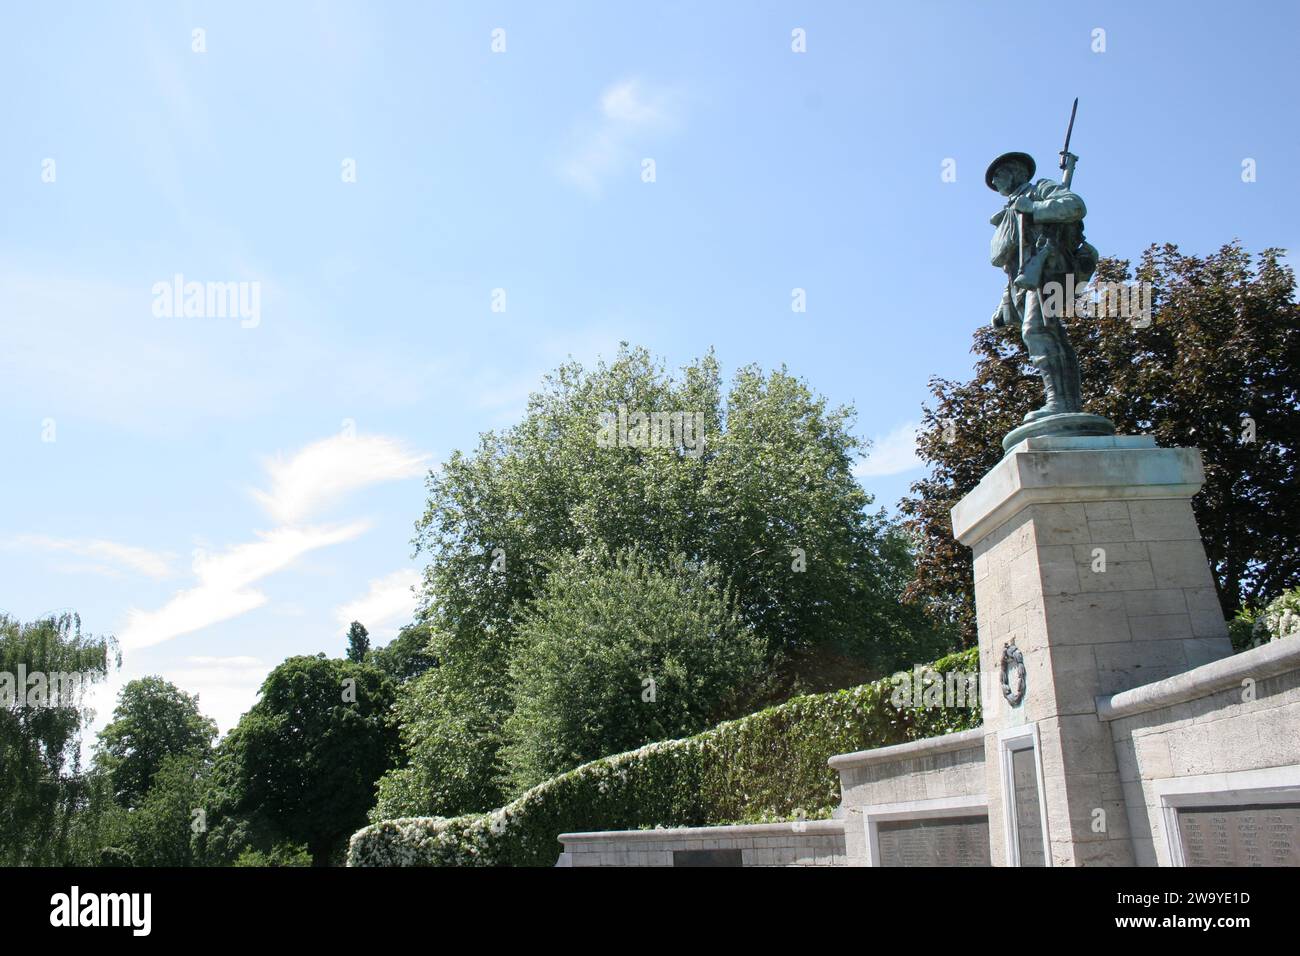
column 114, row 856
column 450, row 723
column 358, row 642
column 406, row 656
column 769, row 764
column 301, row 765
column 285, row 854
column 153, row 720
column 1241, row 630
column 617, row 652
column 158, row 830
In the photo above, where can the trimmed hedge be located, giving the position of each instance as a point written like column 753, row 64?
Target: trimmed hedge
column 768, row 764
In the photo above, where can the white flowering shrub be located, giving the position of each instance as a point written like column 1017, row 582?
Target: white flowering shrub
column 764, row 766
column 1280, row 619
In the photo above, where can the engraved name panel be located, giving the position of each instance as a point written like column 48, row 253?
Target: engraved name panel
column 707, row 858
column 939, row 841
column 1029, row 817
column 1255, row 835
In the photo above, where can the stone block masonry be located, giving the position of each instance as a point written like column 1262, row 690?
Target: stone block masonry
column 800, row 843
column 1089, row 562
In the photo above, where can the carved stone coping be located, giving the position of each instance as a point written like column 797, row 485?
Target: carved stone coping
column 806, row 828
column 1258, row 663
column 962, row 740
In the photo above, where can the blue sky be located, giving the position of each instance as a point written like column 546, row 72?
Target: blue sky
column 221, row 497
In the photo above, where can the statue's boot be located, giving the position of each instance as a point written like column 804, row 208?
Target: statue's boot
column 1050, row 370
column 1071, row 389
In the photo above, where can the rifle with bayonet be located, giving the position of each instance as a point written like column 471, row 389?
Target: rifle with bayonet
column 1031, row 272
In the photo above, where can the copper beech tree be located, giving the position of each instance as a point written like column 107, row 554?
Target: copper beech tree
column 1215, row 365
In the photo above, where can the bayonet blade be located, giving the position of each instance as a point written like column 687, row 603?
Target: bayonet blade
column 1068, row 131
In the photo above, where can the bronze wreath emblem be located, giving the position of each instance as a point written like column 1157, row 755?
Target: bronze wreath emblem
column 1013, row 662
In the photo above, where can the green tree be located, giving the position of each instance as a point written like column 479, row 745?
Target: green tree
column 406, row 656
column 1218, row 368
column 154, row 720
column 615, row 653
column 450, row 722
column 285, row 854
column 98, row 828
column 767, row 496
column 159, row 831
column 46, row 667
column 358, row 642
column 301, row 765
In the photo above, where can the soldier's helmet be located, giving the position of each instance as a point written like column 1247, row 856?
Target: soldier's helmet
column 1023, row 158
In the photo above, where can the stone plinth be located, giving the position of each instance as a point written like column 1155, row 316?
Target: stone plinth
column 1088, row 557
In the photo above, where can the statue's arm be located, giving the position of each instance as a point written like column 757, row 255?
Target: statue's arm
column 1003, row 310
column 1054, row 203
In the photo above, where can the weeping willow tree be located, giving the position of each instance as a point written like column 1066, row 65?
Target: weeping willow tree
column 46, row 670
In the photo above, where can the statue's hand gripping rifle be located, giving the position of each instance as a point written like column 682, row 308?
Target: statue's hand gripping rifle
column 1031, row 272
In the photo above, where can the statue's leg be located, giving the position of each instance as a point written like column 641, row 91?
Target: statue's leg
column 1043, row 354
column 1070, row 376
column 1066, row 362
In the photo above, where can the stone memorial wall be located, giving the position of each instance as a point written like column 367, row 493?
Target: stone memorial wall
column 1119, row 728
column 800, row 843
column 1222, row 736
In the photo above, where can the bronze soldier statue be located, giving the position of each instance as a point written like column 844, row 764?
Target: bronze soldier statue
column 1039, row 241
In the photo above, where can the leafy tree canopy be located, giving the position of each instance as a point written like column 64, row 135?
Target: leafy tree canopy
column 301, row 765
column 154, row 720
column 406, row 656
column 771, row 501
column 761, row 489
column 618, row 652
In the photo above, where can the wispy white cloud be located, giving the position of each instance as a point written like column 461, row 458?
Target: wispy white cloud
column 319, row 474
column 153, row 564
column 629, row 110
column 225, row 583
column 891, row 454
column 326, row 470
column 631, row 103
column 388, row 604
